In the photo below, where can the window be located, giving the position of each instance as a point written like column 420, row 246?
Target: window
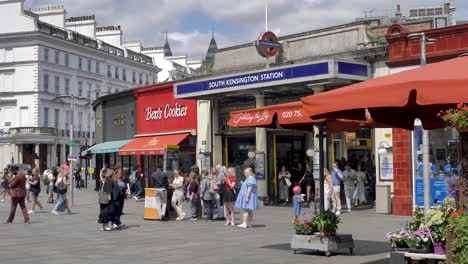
column 97, row 91
column 116, row 72
column 134, row 77
column 67, row 86
column 67, row 60
column 46, row 117
column 441, row 22
column 80, row 89
column 89, row 91
column 57, row 57
column 124, row 74
column 146, row 79
column 67, row 119
column 109, row 90
column 57, row 84
column 89, row 65
column 57, row 118
column 80, row 63
column 141, row 78
column 80, row 121
column 46, row 82
column 109, row 73
column 430, row 11
column 413, row 12
column 421, row 12
column 89, row 122
column 154, row 79
column 46, row 55
column 98, row 67
column 438, row 11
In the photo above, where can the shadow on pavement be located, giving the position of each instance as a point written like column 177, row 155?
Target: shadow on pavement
column 258, row 226
column 380, row 261
column 361, row 248
column 127, row 227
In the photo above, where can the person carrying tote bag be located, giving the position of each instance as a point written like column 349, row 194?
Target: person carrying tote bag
column 105, row 198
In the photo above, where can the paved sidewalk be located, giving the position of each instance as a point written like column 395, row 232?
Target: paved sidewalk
column 76, row 238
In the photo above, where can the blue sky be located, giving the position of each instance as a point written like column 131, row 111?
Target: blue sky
column 189, row 22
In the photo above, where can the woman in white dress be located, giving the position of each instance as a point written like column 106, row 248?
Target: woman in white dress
column 284, row 178
column 327, row 189
column 360, row 193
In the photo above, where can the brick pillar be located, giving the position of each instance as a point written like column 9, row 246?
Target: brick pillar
column 402, row 185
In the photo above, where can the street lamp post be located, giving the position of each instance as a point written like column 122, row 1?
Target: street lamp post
column 72, row 121
column 425, row 133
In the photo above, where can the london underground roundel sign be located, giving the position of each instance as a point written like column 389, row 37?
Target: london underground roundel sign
column 267, row 44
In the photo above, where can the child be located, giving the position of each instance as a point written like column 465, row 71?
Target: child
column 297, row 199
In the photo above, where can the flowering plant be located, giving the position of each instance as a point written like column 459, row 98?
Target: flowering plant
column 399, row 239
column 455, row 117
column 417, row 220
column 420, row 238
column 436, row 222
column 304, row 228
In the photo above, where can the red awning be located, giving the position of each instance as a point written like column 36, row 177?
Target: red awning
column 291, row 116
column 152, row 145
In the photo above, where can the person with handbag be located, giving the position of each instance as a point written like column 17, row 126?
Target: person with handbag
column 35, row 188
column 310, row 183
column 284, row 178
column 105, row 200
column 62, row 187
column 229, row 195
column 178, row 194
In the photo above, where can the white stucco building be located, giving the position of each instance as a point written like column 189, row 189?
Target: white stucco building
column 45, row 59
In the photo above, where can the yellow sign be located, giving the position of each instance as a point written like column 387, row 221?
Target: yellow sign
column 171, row 146
column 120, row 119
column 151, row 206
column 350, row 136
column 90, row 170
column 388, row 135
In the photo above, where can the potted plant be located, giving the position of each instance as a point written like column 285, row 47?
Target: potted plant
column 305, row 228
column 399, row 239
column 451, row 235
column 461, row 240
column 437, row 220
column 327, row 223
column 419, row 241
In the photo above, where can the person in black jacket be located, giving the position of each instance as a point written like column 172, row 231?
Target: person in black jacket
column 160, row 183
column 192, row 194
column 119, row 188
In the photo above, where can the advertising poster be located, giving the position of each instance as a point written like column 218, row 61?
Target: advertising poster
column 260, row 165
column 439, row 191
column 386, row 168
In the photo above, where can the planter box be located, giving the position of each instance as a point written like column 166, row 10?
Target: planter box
column 324, row 244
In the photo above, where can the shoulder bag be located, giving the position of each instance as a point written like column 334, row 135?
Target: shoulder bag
column 103, row 196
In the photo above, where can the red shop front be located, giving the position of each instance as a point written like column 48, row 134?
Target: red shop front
column 166, row 131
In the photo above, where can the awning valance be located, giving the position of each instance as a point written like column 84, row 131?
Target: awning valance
column 106, row 147
column 152, row 145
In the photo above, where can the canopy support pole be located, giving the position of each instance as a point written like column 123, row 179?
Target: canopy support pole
column 322, row 166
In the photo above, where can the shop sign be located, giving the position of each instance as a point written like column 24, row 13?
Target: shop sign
column 120, row 119
column 278, row 76
column 251, row 118
column 159, row 112
column 439, row 191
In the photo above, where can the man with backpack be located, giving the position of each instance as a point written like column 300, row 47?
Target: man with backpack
column 207, row 194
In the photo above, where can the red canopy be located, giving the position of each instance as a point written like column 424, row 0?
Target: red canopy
column 290, row 116
column 152, row 145
column 399, row 98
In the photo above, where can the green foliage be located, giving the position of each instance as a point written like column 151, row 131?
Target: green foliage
column 418, row 219
column 327, row 221
column 305, row 228
column 461, row 242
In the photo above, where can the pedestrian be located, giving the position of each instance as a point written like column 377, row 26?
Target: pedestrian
column 52, row 177
column 138, row 184
column 207, row 193
column 160, row 183
column 61, row 184
column 359, row 195
column 327, row 188
column 5, row 186
column 35, row 183
column 219, row 191
column 105, row 210
column 297, row 201
column 349, row 180
column 229, row 195
column 102, row 177
column 77, row 175
column 247, row 199
column 284, row 178
column 119, row 189
column 195, row 169
column 17, row 185
column 178, row 194
column 28, row 187
column 337, row 177
column 308, row 178
column 192, row 194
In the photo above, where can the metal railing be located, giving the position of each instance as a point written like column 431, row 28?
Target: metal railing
column 44, row 131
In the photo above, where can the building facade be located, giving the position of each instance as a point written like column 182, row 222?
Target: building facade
column 49, row 63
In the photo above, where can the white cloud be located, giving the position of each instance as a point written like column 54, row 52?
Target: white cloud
column 242, row 20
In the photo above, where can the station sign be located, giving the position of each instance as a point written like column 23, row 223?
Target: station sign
column 267, row 44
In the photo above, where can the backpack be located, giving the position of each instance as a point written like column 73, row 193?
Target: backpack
column 132, row 177
column 61, row 188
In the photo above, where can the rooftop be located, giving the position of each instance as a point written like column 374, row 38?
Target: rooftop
column 80, row 18
column 47, row 9
column 153, row 48
column 107, row 28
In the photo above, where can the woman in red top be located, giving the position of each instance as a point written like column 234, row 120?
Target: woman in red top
column 229, row 195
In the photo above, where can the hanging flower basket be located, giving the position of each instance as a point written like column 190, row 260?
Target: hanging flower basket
column 456, row 117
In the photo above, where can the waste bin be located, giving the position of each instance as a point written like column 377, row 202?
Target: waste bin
column 152, row 205
column 383, row 200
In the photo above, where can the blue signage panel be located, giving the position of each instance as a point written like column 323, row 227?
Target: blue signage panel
column 439, row 191
column 352, row 68
column 253, row 78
